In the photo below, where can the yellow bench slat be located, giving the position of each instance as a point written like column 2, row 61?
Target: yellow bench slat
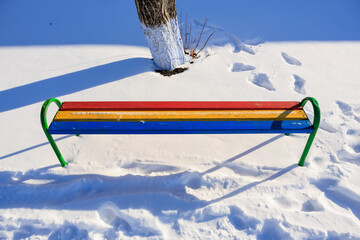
column 181, row 115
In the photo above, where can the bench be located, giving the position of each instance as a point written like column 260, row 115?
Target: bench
column 156, row 117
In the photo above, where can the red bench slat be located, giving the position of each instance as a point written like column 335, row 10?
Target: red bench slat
column 178, row 105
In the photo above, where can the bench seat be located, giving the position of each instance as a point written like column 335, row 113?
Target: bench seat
column 181, row 117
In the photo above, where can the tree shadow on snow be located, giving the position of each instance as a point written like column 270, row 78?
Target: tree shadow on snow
column 72, row 82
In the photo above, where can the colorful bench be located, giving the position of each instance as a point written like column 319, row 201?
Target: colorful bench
column 180, row 118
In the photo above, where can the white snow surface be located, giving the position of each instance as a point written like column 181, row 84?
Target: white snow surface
column 180, row 186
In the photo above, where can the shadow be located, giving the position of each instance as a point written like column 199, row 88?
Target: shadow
column 33, row 174
column 243, row 154
column 29, row 229
column 40, row 189
column 116, row 22
column 341, row 196
column 254, row 184
column 33, row 147
column 281, row 20
column 73, row 82
column 77, row 22
column 277, row 124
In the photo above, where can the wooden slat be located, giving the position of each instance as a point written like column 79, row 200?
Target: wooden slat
column 183, row 127
column 178, row 105
column 180, row 115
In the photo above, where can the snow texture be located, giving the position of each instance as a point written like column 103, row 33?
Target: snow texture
column 180, row 186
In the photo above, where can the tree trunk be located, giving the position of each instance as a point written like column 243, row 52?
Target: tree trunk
column 160, row 25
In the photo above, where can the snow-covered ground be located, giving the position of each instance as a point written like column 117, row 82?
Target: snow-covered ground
column 180, row 186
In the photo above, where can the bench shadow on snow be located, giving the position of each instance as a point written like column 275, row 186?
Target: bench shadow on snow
column 33, row 147
column 39, row 188
column 110, row 196
column 72, row 82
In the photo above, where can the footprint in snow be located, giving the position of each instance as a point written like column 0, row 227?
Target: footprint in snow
column 355, row 136
column 349, row 111
column 290, row 60
column 350, row 153
column 351, row 150
column 254, row 41
column 299, row 85
column 324, row 125
column 242, row 222
column 287, row 202
column 356, row 147
column 149, row 168
column 28, row 229
column 69, row 232
column 240, row 46
column 237, row 44
column 340, row 195
column 142, row 225
column 272, row 230
column 262, row 80
column 209, row 213
column 240, row 67
column 312, row 205
column 345, row 108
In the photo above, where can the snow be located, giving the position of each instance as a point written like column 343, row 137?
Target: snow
column 180, row 186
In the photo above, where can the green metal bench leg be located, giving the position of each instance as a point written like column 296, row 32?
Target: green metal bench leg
column 316, row 125
column 45, row 127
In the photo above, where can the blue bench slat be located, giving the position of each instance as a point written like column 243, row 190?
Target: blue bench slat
column 181, row 127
